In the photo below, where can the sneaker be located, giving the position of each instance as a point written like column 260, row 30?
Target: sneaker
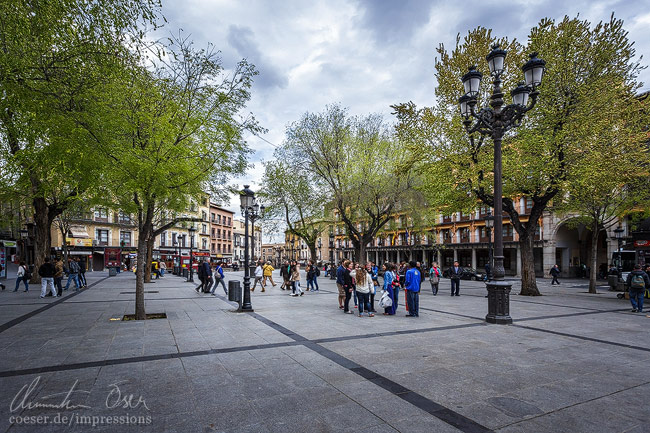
column 633, row 311
column 213, row 294
column 293, row 294
column 348, row 312
column 302, row 293
column 371, row 315
column 44, row 296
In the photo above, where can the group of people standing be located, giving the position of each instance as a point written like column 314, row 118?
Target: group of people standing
column 359, row 282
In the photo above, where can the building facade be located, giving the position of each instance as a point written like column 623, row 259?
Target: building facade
column 239, row 241
column 221, row 233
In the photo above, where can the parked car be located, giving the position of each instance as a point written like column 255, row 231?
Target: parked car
column 468, row 274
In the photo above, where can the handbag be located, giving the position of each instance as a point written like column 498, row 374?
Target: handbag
column 385, row 300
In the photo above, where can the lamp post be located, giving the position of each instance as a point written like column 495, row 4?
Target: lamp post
column 489, row 223
column 618, row 231
column 191, row 274
column 494, row 121
column 256, row 213
column 247, row 198
column 320, row 245
column 293, row 244
column 178, row 257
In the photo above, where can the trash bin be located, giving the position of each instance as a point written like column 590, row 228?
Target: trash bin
column 234, row 291
column 112, row 272
column 612, row 281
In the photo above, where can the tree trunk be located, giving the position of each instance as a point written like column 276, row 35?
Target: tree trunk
column 145, row 230
column 147, row 275
column 312, row 252
column 528, row 280
column 42, row 236
column 594, row 258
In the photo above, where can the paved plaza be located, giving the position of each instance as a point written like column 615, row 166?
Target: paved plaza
column 571, row 362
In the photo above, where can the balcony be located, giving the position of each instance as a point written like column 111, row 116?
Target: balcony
column 446, row 219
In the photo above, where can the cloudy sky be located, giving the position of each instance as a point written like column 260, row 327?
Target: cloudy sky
column 364, row 54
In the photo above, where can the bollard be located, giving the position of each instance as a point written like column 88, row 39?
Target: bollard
column 112, row 272
column 234, row 291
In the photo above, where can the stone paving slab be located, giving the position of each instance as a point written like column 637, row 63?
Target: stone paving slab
column 570, row 362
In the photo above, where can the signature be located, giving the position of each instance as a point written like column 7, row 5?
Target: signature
column 115, row 398
column 25, row 399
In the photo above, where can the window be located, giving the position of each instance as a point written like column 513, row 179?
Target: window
column 507, row 232
column 163, row 239
column 214, row 233
column 213, row 217
column 204, row 215
column 125, row 239
column 229, row 248
column 101, row 236
column 124, row 218
column 218, row 219
column 213, row 248
column 219, row 247
column 218, row 233
column 204, row 244
column 204, row 228
column 101, row 214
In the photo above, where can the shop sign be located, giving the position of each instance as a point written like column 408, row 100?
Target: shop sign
column 643, row 243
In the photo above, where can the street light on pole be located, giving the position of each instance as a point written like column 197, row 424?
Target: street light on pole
column 489, row 223
column 618, row 232
column 320, row 245
column 247, row 198
column 191, row 274
column 494, row 121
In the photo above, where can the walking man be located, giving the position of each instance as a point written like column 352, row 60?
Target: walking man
column 312, row 276
column 340, row 282
column 207, row 276
column 555, row 272
column 46, row 271
column 637, row 282
column 412, row 285
column 73, row 275
column 454, row 274
column 82, row 272
column 259, row 274
column 58, row 276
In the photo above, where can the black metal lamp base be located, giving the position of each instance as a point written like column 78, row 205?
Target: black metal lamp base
column 498, row 302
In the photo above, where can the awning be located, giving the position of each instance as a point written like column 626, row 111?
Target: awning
column 8, row 243
column 78, row 232
column 80, row 253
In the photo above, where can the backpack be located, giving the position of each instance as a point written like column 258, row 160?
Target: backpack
column 317, row 271
column 27, row 275
column 637, row 282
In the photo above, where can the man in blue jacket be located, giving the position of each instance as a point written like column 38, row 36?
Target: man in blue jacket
column 412, row 285
column 339, row 282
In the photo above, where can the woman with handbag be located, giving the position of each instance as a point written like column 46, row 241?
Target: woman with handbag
column 22, row 275
column 389, row 287
column 434, row 278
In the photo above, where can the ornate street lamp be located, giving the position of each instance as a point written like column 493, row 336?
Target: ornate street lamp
column 247, row 198
column 256, row 213
column 293, row 244
column 494, row 121
column 320, row 245
column 191, row 274
column 618, row 232
column 489, row 223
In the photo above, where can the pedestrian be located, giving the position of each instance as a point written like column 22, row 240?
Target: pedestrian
column 312, row 276
column 295, row 280
column 372, row 271
column 200, row 273
column 58, row 276
column 163, row 268
column 434, row 278
column 348, row 286
column 207, row 276
column 286, row 276
column 364, row 287
column 218, row 279
column 340, row 282
column 412, row 283
column 22, row 275
column 73, row 274
column 268, row 273
column 46, row 271
column 259, row 274
column 555, row 272
column 454, row 274
column 637, row 282
column 82, row 272
column 488, row 272
column 353, row 274
column 389, row 286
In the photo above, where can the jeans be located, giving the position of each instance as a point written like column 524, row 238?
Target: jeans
column 356, row 298
column 311, row 282
column 346, row 303
column 413, row 300
column 364, row 302
column 45, row 283
column 434, row 288
column 24, row 280
column 205, row 287
column 162, row 272
column 257, row 279
column 554, row 280
column 218, row 281
column 455, row 283
column 636, row 298
column 58, row 285
column 82, row 279
column 72, row 277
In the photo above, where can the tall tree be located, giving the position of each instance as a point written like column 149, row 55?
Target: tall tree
column 55, row 57
column 586, row 68
column 179, row 133
column 291, row 198
column 352, row 160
